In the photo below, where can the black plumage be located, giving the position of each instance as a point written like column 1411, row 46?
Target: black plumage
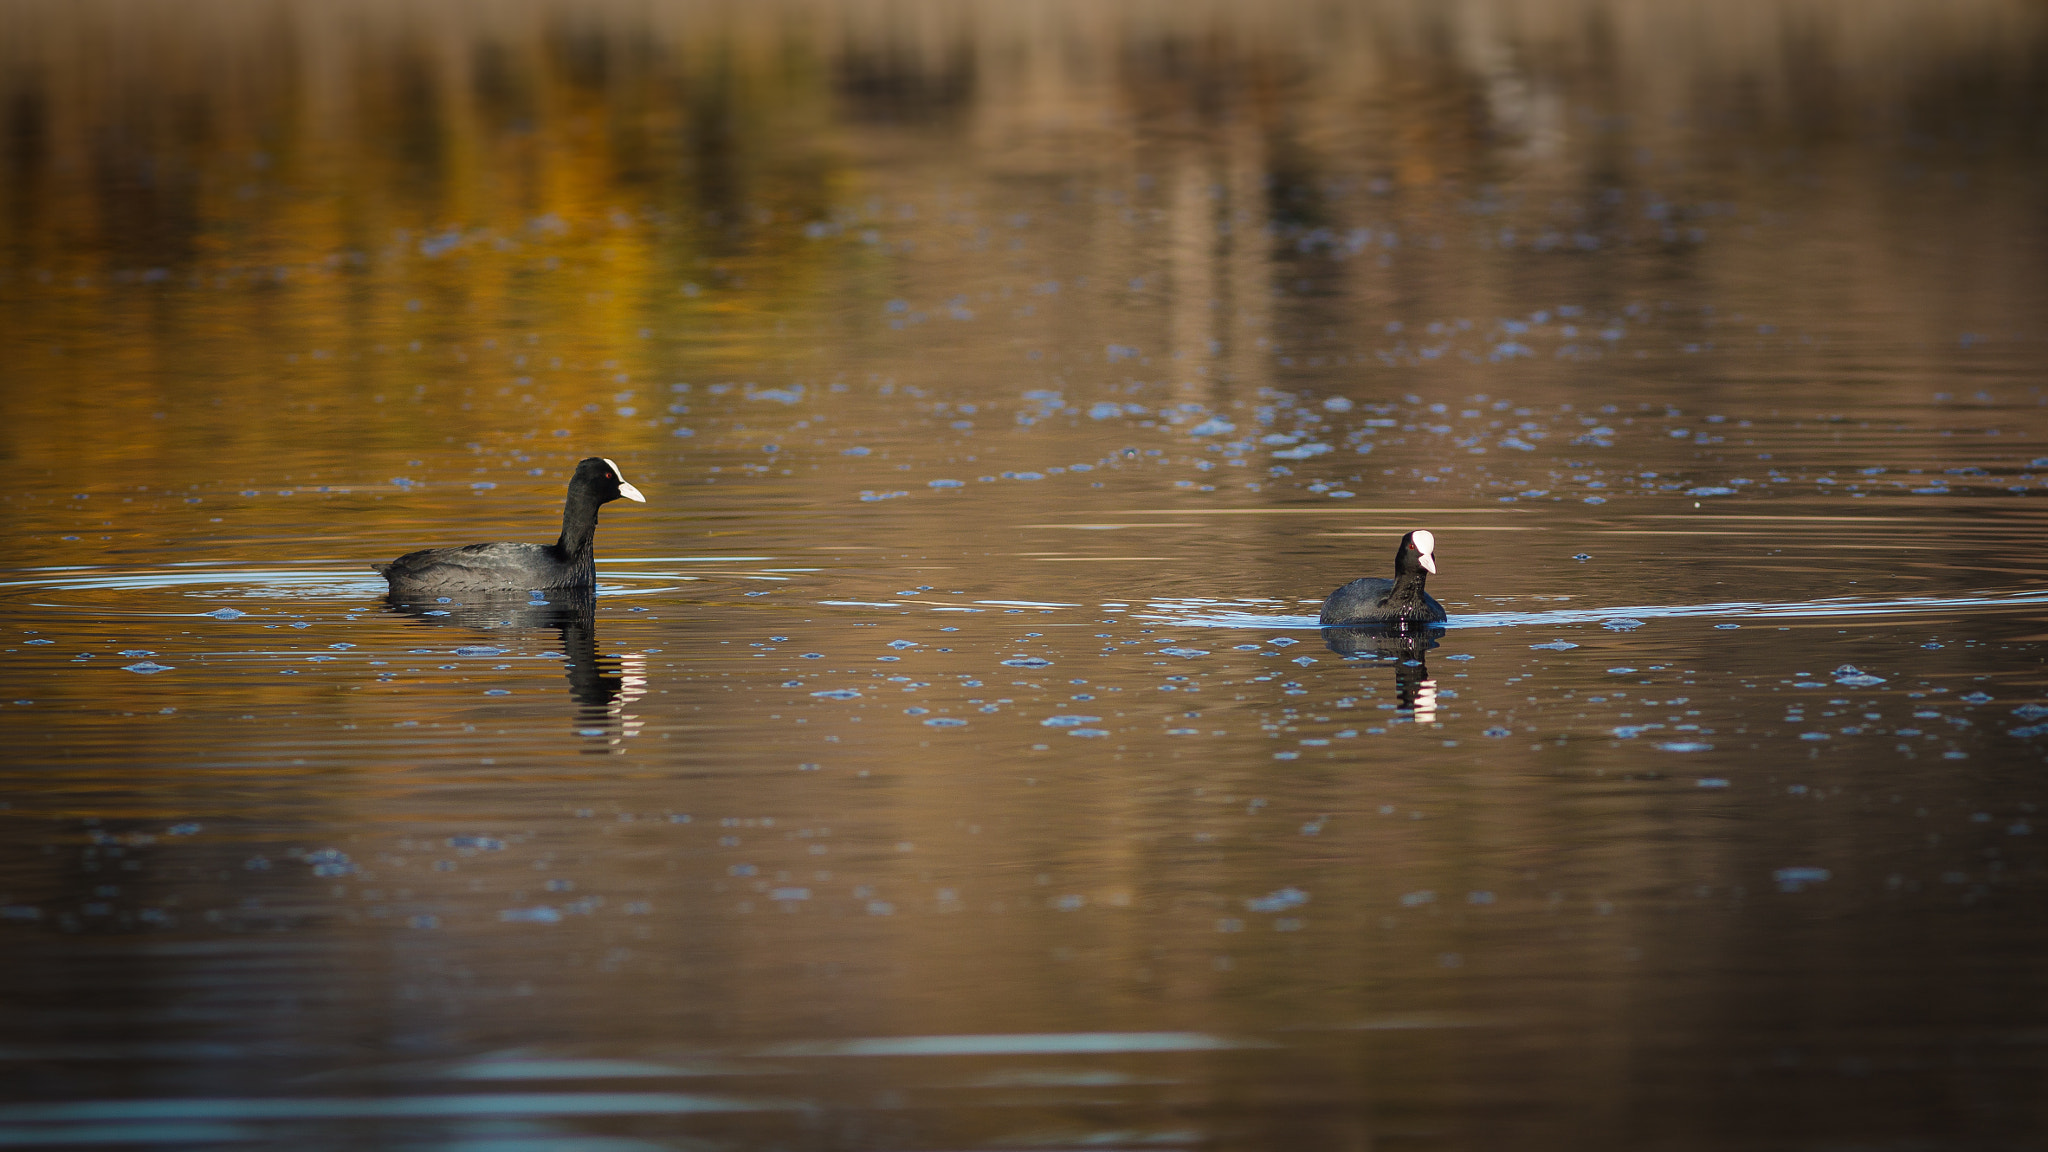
column 1376, row 602
column 567, row 563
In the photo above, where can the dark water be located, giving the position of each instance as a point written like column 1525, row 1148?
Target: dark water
column 950, row 758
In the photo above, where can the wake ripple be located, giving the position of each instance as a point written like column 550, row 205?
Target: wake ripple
column 1205, row 613
column 214, row 580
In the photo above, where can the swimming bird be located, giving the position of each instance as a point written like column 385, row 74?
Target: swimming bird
column 567, row 563
column 1373, row 602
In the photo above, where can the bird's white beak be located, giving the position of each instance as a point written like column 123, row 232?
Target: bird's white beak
column 625, row 489
column 1429, row 563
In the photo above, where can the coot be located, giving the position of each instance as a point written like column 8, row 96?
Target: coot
column 567, row 563
column 1400, row 602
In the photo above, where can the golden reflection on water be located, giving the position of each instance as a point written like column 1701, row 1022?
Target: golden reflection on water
column 646, row 188
column 290, row 287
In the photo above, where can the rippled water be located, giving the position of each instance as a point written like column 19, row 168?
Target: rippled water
column 950, row 757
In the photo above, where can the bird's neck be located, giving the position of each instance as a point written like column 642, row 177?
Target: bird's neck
column 1408, row 586
column 579, row 526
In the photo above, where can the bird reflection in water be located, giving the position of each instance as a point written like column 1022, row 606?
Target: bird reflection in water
column 603, row 687
column 1414, row 689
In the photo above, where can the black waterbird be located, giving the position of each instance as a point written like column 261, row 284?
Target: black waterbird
column 1375, row 602
column 567, row 563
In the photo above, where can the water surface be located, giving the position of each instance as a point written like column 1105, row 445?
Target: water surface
column 949, row 757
